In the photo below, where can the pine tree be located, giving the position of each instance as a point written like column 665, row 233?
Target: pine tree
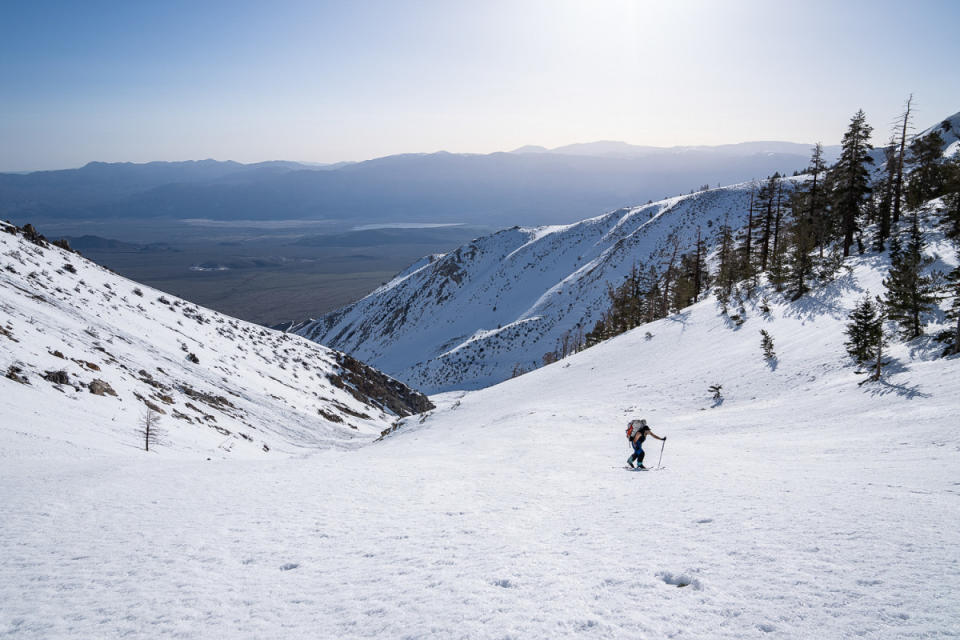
column 701, row 272
column 814, row 201
column 927, row 175
column 886, row 187
column 950, row 215
column 766, row 198
column 766, row 343
column 851, row 178
column 745, row 267
column 910, row 293
column 879, row 340
column 862, row 330
column 952, row 290
column 727, row 270
column 779, row 271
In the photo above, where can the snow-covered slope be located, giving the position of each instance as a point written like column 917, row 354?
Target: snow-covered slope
column 949, row 130
column 802, row 506
column 84, row 352
column 466, row 319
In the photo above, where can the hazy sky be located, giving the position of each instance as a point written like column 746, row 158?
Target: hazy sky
column 327, row 81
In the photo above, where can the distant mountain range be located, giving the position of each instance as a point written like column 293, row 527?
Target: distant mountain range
column 531, row 185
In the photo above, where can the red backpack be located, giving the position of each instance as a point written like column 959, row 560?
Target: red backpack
column 633, row 427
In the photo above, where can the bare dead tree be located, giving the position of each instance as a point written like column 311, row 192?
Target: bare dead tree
column 149, row 429
column 904, row 121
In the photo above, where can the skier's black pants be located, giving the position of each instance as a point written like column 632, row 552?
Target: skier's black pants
column 637, row 455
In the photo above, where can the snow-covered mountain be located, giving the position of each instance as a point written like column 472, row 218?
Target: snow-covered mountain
column 468, row 318
column 85, row 352
column 801, row 506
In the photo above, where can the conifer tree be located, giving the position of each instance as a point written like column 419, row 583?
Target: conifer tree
column 813, row 197
column 927, row 175
column 952, row 290
column 910, row 293
column 766, row 344
column 950, row 215
column 701, row 273
column 726, row 268
column 880, row 339
column 862, row 330
column 851, row 178
column 766, row 198
column 886, row 188
column 802, row 239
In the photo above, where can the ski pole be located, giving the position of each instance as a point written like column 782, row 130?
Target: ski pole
column 662, row 443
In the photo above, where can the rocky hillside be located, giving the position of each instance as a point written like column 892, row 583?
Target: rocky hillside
column 78, row 340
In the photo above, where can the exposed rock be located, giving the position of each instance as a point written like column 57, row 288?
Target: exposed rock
column 57, row 377
column 367, row 384
column 192, row 357
column 101, row 388
column 13, row 373
column 34, row 236
column 330, row 416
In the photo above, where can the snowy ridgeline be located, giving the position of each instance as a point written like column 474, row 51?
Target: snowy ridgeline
column 799, row 505
column 467, row 319
column 85, row 352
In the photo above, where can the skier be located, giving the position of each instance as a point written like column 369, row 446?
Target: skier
column 639, row 435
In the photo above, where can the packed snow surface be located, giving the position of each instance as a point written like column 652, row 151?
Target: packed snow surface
column 802, row 505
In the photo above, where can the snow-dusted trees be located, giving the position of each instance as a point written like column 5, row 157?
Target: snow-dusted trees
column 727, row 262
column 851, row 180
column 952, row 291
column 863, row 330
column 885, row 190
column 867, row 338
column 149, row 429
column 909, row 292
column 927, row 174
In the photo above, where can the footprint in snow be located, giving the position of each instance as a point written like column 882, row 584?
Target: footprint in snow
column 504, row 583
column 289, row 566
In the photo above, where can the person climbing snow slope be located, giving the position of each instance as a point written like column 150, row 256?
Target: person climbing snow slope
column 637, row 432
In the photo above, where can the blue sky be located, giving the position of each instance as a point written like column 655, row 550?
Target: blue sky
column 325, row 81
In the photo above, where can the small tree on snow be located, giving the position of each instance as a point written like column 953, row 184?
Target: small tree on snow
column 766, row 343
column 862, row 330
column 149, row 429
column 867, row 337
